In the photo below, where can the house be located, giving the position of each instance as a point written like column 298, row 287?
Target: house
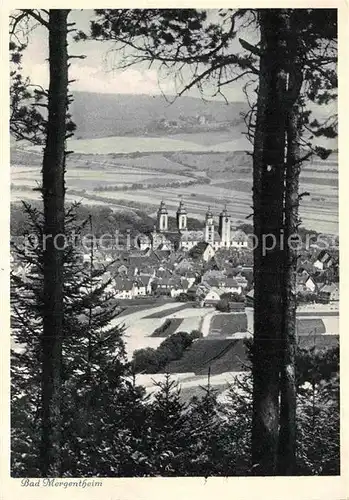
column 189, row 239
column 185, row 284
column 192, row 292
column 178, row 286
column 164, row 247
column 163, row 284
column 214, row 264
column 201, row 290
column 147, row 270
column 144, row 243
column 305, row 283
column 147, row 252
column 139, row 261
column 241, row 281
column 169, row 240
column 132, row 272
column 212, row 275
column 161, row 272
column 212, row 297
column 305, row 269
column 202, row 251
column 183, row 265
column 329, row 293
column 319, row 285
column 123, row 288
column 245, row 269
column 190, row 278
column 212, row 282
column 162, row 254
column 230, row 285
column 239, row 239
column 122, row 269
column 323, row 261
column 142, row 285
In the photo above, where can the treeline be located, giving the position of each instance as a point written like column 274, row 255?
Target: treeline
column 139, row 186
column 149, row 360
column 104, row 220
column 20, row 187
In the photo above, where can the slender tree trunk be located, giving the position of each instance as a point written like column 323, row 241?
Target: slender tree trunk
column 268, row 200
column 287, row 442
column 53, row 196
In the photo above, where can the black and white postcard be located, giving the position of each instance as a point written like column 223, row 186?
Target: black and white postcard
column 173, row 282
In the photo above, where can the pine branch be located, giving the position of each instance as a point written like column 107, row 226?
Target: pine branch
column 35, row 15
column 251, row 48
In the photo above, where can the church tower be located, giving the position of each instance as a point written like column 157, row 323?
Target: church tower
column 209, row 227
column 181, row 217
column 224, row 228
column 162, row 218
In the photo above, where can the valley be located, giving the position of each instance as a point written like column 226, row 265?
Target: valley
column 132, row 151
column 140, row 180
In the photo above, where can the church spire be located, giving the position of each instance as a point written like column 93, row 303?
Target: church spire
column 209, row 227
column 181, row 216
column 162, row 217
column 224, row 212
column 224, row 227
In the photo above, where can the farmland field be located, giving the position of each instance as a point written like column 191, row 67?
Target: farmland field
column 226, row 324
column 140, row 323
column 92, row 179
column 321, row 321
column 220, row 355
column 148, row 144
column 163, row 314
column 107, row 179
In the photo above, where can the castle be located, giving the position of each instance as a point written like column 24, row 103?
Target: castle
column 183, row 238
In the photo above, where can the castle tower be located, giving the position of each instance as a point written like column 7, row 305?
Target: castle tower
column 224, row 228
column 181, row 217
column 209, row 227
column 162, row 218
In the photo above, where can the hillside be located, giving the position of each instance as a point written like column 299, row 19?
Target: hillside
column 106, row 115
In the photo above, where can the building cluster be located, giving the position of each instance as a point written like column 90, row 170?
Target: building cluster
column 319, row 279
column 183, row 238
column 175, row 274
column 203, row 268
column 198, row 275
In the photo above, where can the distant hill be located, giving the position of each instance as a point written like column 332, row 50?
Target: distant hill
column 106, row 115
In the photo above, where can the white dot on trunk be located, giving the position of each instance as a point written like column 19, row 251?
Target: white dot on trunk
column 269, row 167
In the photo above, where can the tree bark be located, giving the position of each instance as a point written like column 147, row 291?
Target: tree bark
column 53, row 197
column 287, row 441
column 268, row 200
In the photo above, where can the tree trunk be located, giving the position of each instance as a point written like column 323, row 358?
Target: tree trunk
column 287, row 442
column 268, row 200
column 53, row 197
column 288, row 383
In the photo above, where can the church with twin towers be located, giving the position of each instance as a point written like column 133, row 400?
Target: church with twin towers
column 182, row 237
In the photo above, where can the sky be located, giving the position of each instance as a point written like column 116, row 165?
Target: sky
column 95, row 73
